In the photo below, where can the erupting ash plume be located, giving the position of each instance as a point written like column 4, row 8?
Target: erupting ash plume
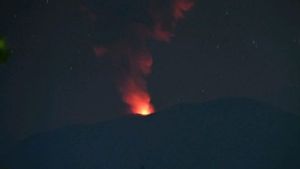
column 123, row 31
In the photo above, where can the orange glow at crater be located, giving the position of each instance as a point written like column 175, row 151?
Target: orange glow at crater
column 138, row 100
column 144, row 110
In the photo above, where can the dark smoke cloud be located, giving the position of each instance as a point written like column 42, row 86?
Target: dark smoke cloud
column 123, row 29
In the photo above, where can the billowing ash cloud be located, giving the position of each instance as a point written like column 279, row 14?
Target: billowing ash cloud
column 124, row 27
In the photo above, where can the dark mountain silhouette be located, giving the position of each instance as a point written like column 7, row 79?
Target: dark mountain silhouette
column 227, row 134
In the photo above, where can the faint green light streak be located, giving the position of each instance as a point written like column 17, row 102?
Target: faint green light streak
column 4, row 51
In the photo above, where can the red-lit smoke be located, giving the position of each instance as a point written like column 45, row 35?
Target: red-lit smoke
column 129, row 52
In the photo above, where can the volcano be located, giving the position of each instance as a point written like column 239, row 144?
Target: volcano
column 227, row 134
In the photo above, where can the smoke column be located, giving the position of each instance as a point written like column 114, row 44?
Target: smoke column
column 124, row 30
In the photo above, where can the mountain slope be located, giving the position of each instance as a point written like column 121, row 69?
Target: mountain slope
column 232, row 133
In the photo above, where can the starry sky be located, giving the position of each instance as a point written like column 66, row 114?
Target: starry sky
column 221, row 49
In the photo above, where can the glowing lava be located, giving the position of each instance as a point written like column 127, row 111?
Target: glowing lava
column 144, row 110
column 132, row 83
column 140, row 103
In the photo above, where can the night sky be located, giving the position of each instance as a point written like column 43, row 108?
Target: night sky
column 221, row 49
